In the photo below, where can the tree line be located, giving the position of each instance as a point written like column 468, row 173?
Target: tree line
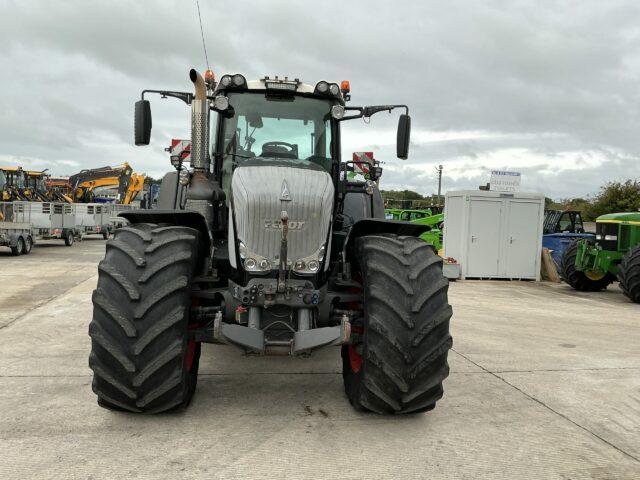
column 613, row 197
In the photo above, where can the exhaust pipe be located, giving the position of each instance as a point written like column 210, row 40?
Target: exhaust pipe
column 199, row 124
column 198, row 83
column 201, row 189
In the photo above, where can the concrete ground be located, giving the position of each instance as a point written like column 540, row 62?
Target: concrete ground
column 545, row 383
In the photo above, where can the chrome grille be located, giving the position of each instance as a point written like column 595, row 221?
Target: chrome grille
column 257, row 206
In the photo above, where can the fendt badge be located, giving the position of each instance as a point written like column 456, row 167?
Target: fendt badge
column 277, row 225
column 285, row 196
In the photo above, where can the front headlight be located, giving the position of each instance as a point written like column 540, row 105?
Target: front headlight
column 184, row 177
column 310, row 265
column 253, row 262
column 260, row 265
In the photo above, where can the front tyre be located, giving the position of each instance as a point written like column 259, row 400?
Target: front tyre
column 630, row 274
column 141, row 358
column 579, row 280
column 398, row 359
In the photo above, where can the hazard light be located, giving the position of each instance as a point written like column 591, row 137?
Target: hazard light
column 210, row 77
column 345, row 86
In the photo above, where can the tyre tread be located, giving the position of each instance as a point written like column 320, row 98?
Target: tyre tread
column 406, row 336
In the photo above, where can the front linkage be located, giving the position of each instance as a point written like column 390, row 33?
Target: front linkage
column 596, row 262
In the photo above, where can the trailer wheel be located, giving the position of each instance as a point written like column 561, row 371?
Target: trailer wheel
column 398, row 359
column 19, row 248
column 28, row 245
column 69, row 239
column 630, row 274
column 578, row 279
column 141, row 358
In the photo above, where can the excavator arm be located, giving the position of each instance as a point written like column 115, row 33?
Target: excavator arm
column 84, row 183
column 135, row 187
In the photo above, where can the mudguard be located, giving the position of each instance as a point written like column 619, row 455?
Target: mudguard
column 183, row 218
column 373, row 226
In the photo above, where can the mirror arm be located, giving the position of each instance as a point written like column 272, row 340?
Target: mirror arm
column 372, row 110
column 186, row 97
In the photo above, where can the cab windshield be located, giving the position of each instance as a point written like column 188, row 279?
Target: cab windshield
column 277, row 129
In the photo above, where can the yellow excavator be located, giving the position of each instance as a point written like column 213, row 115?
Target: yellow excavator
column 33, row 186
column 26, row 185
column 85, row 184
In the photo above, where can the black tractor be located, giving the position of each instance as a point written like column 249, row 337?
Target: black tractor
column 266, row 244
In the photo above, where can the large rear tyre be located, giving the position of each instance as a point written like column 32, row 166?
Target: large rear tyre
column 398, row 358
column 578, row 279
column 140, row 355
column 630, row 274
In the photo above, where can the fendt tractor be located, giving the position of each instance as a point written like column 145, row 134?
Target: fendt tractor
column 592, row 266
column 275, row 250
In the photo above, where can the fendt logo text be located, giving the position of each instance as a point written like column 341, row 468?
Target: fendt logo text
column 277, row 225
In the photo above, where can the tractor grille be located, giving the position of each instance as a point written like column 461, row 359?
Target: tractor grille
column 258, row 203
column 607, row 229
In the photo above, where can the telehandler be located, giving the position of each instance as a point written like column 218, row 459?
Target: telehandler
column 276, row 252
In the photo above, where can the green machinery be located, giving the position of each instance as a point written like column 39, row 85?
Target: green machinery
column 421, row 217
column 592, row 266
column 433, row 236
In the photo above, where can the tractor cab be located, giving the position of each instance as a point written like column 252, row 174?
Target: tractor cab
column 563, row 221
column 275, row 122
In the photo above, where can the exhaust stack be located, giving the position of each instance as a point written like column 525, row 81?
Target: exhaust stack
column 199, row 124
column 202, row 191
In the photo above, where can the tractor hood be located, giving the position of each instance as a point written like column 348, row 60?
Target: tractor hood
column 631, row 217
column 261, row 191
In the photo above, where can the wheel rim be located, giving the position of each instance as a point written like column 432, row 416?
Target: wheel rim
column 191, row 353
column 355, row 359
column 595, row 276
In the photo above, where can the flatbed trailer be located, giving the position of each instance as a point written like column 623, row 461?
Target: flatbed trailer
column 94, row 219
column 16, row 235
column 45, row 220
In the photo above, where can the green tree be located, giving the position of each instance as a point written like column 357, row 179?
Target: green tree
column 617, row 197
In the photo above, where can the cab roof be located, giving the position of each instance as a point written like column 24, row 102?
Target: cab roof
column 628, row 217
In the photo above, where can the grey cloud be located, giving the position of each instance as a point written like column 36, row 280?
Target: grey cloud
column 548, row 77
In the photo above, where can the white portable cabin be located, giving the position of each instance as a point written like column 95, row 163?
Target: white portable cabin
column 494, row 234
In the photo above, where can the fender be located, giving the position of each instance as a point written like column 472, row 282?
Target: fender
column 182, row 218
column 373, row 226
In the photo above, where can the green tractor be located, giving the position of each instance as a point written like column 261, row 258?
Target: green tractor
column 592, row 266
column 433, row 236
column 406, row 215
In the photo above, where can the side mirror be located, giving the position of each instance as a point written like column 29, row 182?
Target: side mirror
column 404, row 135
column 142, row 122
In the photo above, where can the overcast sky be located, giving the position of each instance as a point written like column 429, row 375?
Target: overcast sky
column 547, row 88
